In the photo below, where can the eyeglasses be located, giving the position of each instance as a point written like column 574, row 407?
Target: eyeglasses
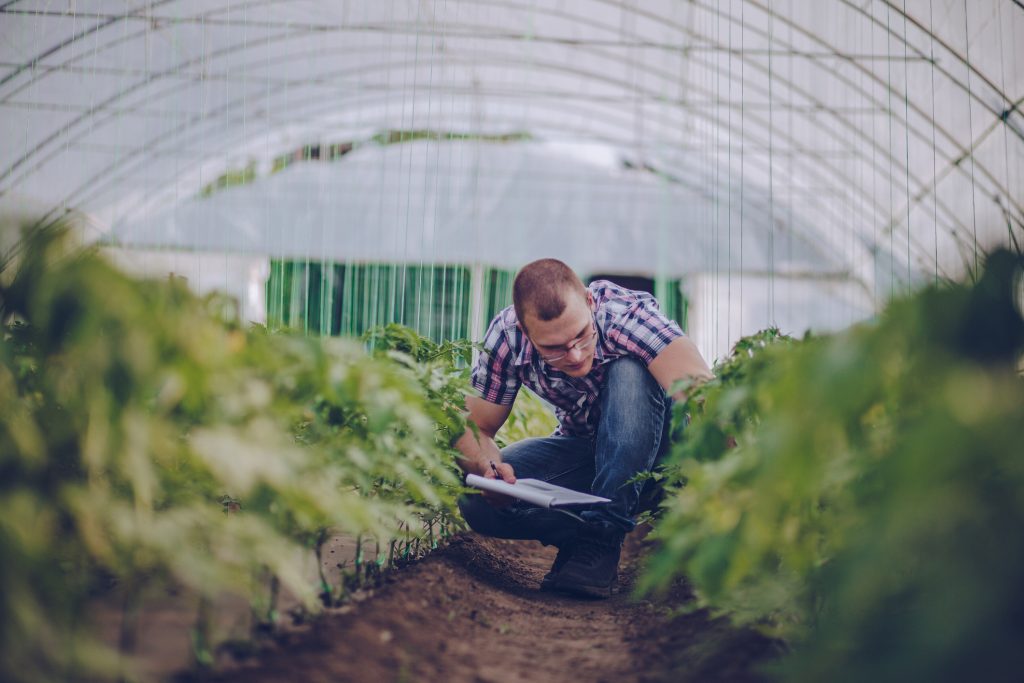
column 583, row 345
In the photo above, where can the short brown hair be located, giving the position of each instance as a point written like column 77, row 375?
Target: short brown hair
column 540, row 288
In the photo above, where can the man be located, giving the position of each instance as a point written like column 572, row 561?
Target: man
column 604, row 357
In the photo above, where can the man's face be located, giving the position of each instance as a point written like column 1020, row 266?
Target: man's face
column 569, row 336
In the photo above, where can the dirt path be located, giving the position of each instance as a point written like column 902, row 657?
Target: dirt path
column 472, row 612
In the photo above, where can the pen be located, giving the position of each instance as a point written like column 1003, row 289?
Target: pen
column 494, row 468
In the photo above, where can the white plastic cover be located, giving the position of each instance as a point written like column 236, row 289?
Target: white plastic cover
column 878, row 140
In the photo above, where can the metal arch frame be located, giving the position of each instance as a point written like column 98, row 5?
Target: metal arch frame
column 836, row 54
column 212, row 22
column 880, row 170
column 894, row 163
column 82, row 34
column 893, row 114
column 651, row 98
column 963, row 60
column 232, row 48
column 135, row 14
column 213, row 118
column 892, row 223
column 810, row 160
column 687, row 181
column 811, row 238
column 825, row 110
column 1000, row 117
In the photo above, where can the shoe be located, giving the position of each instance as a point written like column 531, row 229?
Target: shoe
column 564, row 553
column 593, row 568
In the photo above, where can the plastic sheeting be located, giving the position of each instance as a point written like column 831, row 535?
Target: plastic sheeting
column 882, row 140
column 863, row 117
column 500, row 204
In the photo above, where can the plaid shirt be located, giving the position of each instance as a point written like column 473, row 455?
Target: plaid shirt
column 629, row 323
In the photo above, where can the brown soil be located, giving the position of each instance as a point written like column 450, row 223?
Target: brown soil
column 472, row 612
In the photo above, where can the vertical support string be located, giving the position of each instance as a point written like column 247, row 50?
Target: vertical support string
column 743, row 132
column 791, row 175
column 935, row 165
column 873, row 251
column 1008, row 105
column 970, row 128
column 889, row 115
column 906, row 133
column 771, row 172
column 429, row 271
column 728, row 132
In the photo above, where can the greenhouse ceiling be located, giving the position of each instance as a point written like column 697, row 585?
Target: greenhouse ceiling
column 877, row 140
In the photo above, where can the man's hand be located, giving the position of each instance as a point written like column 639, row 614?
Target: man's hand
column 505, row 473
column 479, row 450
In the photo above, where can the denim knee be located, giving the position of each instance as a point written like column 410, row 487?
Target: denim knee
column 631, row 393
column 630, row 376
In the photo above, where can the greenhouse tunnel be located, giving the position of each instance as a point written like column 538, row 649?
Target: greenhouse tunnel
column 783, row 162
column 215, row 449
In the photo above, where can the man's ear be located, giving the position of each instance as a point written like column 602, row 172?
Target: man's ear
column 521, row 324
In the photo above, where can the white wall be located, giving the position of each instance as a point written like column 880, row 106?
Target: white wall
column 724, row 308
column 242, row 277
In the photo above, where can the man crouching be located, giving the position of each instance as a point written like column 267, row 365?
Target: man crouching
column 604, row 357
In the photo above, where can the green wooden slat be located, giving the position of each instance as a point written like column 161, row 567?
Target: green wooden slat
column 348, row 299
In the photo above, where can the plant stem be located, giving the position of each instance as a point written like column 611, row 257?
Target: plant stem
column 326, row 594
column 201, row 653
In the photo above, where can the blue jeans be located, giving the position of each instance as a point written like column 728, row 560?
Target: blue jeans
column 632, row 436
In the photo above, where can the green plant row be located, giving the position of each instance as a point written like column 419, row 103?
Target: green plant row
column 870, row 513
column 145, row 439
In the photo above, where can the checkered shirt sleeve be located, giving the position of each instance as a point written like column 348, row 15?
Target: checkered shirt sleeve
column 494, row 374
column 637, row 326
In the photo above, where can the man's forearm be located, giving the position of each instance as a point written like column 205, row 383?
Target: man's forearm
column 477, row 453
column 680, row 360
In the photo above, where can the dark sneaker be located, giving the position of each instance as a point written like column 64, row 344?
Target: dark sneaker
column 593, row 567
column 548, row 582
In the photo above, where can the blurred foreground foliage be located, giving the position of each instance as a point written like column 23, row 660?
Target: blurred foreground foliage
column 871, row 512
column 145, row 438
column 530, row 417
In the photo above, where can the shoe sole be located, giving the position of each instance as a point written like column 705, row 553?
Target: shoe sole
column 582, row 590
